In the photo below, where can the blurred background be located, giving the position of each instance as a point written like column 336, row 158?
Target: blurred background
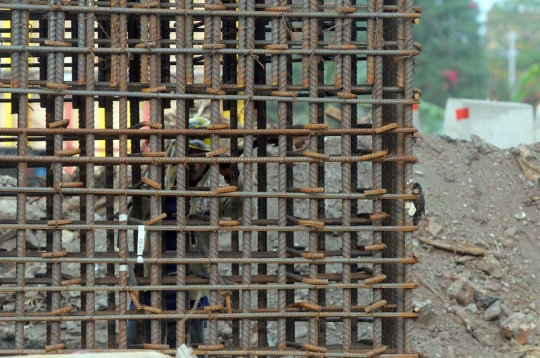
column 477, row 51
column 493, row 54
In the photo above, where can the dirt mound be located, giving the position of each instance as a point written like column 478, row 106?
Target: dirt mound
column 476, row 194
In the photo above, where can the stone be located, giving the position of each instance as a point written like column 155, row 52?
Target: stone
column 463, row 259
column 484, row 337
column 226, row 331
column 33, row 238
column 480, row 144
column 510, row 232
column 509, row 244
column 68, row 237
column 444, row 335
column 505, row 311
column 510, row 325
column 72, row 326
column 33, row 335
column 521, row 216
column 449, row 177
column 102, row 303
column 462, row 291
column 484, row 301
column 471, row 308
column 526, row 333
column 491, row 266
column 7, row 181
column 434, row 228
column 426, row 310
column 7, row 330
column 493, row 312
column 493, row 286
column 301, row 332
column 461, row 313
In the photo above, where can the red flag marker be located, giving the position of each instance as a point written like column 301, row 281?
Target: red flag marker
column 462, row 114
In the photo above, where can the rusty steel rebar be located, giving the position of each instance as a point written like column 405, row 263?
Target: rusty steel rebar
column 147, row 65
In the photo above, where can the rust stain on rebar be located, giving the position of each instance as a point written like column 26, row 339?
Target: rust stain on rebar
column 59, row 124
column 226, row 189
column 62, row 311
column 74, row 281
column 52, row 255
column 154, row 184
column 55, row 347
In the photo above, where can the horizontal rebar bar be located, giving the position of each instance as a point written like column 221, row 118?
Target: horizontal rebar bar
column 150, row 95
column 202, row 13
column 194, row 193
column 264, row 351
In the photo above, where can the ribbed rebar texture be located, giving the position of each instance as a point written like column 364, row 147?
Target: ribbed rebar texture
column 299, row 230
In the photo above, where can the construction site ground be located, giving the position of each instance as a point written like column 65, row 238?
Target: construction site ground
column 479, row 294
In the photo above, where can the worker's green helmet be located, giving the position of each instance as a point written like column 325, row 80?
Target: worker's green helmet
column 202, row 144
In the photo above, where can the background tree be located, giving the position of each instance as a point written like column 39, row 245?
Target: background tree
column 523, row 18
column 452, row 63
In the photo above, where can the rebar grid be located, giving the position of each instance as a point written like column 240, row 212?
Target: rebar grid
column 135, row 71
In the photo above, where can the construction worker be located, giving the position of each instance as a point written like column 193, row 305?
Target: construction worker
column 198, row 176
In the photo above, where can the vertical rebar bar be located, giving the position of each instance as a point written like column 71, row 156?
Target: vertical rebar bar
column 346, row 175
column 21, row 24
column 262, row 178
column 279, row 77
column 123, row 248
column 90, row 180
column 180, row 123
column 377, row 93
column 146, row 38
column 155, row 174
column 82, row 80
column 212, row 79
column 248, row 33
column 409, row 144
column 310, row 31
column 399, row 181
column 56, row 76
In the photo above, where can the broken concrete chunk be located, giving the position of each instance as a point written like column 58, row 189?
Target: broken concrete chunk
column 462, row 291
column 505, row 311
column 492, row 266
column 426, row 310
column 434, row 228
column 461, row 313
column 517, row 326
column 484, row 337
column 471, row 308
column 480, row 144
column 510, row 232
column 493, row 312
column 526, row 333
column 509, row 244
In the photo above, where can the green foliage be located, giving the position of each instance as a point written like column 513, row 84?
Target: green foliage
column 431, row 117
column 449, row 34
column 521, row 17
column 528, row 84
